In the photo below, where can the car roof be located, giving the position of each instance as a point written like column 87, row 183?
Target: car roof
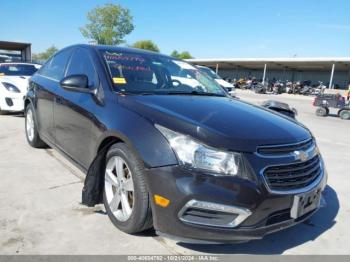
column 120, row 49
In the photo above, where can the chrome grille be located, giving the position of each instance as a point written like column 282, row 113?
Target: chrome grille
column 285, row 149
column 293, row 176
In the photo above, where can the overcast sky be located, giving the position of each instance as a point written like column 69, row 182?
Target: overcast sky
column 207, row 29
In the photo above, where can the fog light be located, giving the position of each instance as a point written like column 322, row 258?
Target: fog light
column 9, row 101
column 213, row 214
column 161, row 201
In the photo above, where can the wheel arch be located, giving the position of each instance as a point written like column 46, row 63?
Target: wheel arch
column 108, row 141
column 92, row 193
column 111, row 138
column 27, row 101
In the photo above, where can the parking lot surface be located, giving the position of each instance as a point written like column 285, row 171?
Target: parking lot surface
column 40, row 195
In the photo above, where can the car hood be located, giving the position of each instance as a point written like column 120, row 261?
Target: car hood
column 219, row 122
column 21, row 82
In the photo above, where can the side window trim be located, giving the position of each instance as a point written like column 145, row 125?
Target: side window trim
column 50, row 78
column 95, row 70
column 70, row 61
column 98, row 82
column 72, row 50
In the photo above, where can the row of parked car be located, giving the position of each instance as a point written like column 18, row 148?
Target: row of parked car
column 279, row 87
column 165, row 146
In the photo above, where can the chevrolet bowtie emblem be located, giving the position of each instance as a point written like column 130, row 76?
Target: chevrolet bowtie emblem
column 301, row 155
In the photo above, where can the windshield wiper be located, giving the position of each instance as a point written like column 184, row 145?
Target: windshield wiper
column 192, row 93
column 196, row 93
column 136, row 93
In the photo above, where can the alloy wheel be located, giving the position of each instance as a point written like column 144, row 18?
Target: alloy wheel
column 30, row 125
column 119, row 188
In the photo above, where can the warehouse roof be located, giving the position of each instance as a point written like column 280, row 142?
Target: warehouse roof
column 13, row 45
column 297, row 63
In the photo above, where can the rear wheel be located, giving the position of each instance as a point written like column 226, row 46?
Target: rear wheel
column 321, row 111
column 125, row 195
column 32, row 134
column 344, row 114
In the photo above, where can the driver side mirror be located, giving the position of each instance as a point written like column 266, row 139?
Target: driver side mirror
column 77, row 83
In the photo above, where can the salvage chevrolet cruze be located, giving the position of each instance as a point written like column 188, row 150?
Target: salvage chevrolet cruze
column 164, row 146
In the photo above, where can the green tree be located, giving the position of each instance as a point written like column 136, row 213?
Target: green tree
column 182, row 55
column 185, row 55
column 108, row 25
column 146, row 44
column 45, row 55
column 175, row 53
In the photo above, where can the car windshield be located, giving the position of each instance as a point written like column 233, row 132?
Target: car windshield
column 17, row 69
column 155, row 74
column 209, row 72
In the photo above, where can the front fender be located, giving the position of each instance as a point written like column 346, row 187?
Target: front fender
column 141, row 136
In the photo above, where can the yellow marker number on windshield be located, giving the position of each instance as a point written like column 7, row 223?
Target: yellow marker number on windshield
column 119, row 80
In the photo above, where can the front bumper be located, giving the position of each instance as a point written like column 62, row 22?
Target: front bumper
column 268, row 212
column 12, row 102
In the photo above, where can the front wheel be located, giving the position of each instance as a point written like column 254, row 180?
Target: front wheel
column 31, row 130
column 125, row 194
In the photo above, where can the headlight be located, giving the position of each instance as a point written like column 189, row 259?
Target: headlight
column 11, row 87
column 192, row 153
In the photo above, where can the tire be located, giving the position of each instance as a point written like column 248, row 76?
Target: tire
column 321, row 111
column 344, row 114
column 2, row 112
column 31, row 130
column 118, row 199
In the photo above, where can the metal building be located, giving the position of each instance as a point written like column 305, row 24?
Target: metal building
column 333, row 71
column 15, row 52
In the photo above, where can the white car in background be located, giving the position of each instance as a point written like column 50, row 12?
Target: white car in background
column 13, row 85
column 228, row 86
